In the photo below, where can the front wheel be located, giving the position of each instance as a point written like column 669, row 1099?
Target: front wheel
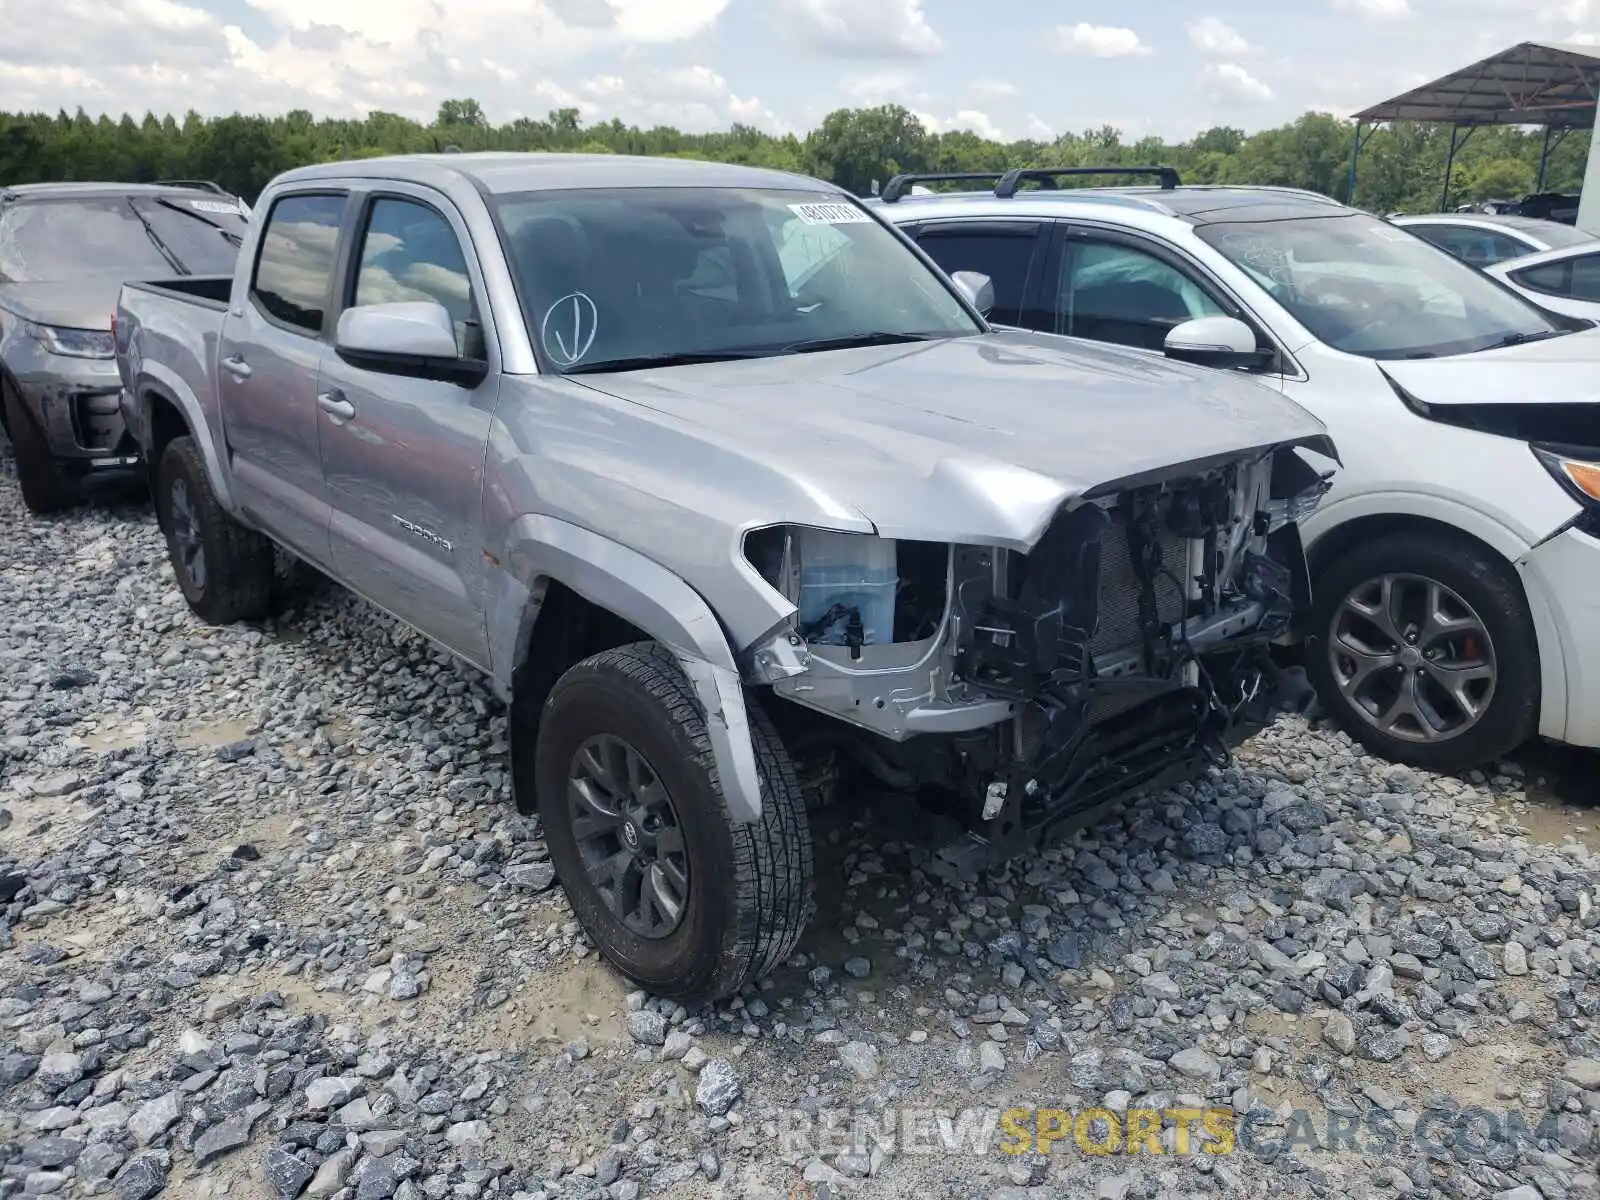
column 677, row 895
column 225, row 570
column 45, row 486
column 1424, row 651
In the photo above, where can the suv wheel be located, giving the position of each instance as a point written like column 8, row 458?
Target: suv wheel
column 1425, row 651
column 225, row 571
column 679, row 897
column 45, row 487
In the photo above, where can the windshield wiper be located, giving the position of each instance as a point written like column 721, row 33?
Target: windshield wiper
column 233, row 238
column 155, row 239
column 1522, row 339
column 645, row 361
column 879, row 337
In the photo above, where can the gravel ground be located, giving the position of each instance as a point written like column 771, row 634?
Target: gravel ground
column 270, row 926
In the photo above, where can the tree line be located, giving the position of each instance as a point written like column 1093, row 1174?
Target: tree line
column 1401, row 167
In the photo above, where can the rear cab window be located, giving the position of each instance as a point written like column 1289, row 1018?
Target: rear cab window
column 294, row 270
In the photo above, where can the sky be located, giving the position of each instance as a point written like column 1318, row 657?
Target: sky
column 1027, row 68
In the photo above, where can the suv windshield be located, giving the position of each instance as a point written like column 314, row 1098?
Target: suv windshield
column 611, row 280
column 1365, row 287
column 54, row 241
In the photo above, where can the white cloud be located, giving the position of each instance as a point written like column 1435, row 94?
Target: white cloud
column 879, row 87
column 1099, row 41
column 1211, row 35
column 1378, row 10
column 978, row 123
column 995, row 89
column 862, row 28
column 1038, row 130
column 1232, row 84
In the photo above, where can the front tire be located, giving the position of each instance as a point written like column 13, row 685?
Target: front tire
column 45, row 487
column 225, row 571
column 680, row 898
column 1424, row 651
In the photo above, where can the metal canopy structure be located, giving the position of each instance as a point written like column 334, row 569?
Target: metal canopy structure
column 1532, row 83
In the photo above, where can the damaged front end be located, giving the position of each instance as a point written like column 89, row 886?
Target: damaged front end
column 1127, row 649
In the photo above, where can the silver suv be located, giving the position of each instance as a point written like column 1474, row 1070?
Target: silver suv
column 728, row 490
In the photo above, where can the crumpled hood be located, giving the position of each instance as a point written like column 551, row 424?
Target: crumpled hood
column 78, row 304
column 998, row 430
column 1558, row 370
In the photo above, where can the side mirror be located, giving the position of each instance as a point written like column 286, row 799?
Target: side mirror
column 1214, row 342
column 978, row 288
column 415, row 338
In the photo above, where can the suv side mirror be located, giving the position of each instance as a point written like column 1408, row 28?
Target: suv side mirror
column 1214, row 342
column 978, row 288
column 413, row 337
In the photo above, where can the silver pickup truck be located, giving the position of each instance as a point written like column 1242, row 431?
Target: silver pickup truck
column 732, row 495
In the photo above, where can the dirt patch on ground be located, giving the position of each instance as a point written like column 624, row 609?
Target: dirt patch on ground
column 215, row 733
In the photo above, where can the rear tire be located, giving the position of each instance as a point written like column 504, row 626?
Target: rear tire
column 225, row 570
column 745, row 893
column 1481, row 643
column 45, row 487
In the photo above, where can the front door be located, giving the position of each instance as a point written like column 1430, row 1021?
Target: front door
column 403, row 457
column 267, row 365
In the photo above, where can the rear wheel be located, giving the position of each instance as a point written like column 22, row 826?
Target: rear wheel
column 225, row 571
column 45, row 486
column 1425, row 651
column 676, row 894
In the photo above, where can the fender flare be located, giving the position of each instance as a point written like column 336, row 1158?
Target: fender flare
column 647, row 595
column 156, row 381
column 1499, row 537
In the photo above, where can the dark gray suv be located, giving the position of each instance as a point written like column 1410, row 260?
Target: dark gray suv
column 65, row 249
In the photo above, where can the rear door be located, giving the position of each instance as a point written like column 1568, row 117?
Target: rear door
column 267, row 365
column 1007, row 250
column 402, row 456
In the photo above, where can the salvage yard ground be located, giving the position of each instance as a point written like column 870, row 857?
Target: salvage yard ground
column 270, row 926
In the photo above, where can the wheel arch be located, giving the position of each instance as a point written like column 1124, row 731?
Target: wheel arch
column 1502, row 545
column 169, row 412
column 563, row 592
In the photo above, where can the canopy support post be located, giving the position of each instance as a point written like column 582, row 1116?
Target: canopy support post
column 1544, row 159
column 1350, row 185
column 1456, row 142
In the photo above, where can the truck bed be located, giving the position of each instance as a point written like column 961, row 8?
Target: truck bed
column 210, row 291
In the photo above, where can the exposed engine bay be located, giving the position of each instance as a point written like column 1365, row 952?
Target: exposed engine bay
column 1128, row 649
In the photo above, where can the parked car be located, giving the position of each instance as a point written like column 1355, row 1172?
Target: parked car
column 1566, row 280
column 1456, row 562
column 718, row 479
column 65, row 249
column 1483, row 239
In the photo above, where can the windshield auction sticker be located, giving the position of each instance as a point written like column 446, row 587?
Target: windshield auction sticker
column 829, row 214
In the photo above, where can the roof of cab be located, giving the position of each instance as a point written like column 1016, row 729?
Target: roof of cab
column 501, row 173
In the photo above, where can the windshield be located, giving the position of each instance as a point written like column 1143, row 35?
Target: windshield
column 1362, row 286
column 55, row 241
column 619, row 279
column 1558, row 236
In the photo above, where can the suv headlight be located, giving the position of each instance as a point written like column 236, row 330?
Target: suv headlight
column 1574, row 468
column 73, row 343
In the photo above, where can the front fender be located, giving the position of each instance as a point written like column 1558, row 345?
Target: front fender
column 648, row 596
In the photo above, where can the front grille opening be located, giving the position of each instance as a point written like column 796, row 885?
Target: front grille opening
column 96, row 420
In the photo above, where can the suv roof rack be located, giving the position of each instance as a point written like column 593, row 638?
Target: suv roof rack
column 204, row 185
column 1008, row 182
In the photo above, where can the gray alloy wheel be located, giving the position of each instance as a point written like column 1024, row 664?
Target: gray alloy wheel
column 1413, row 659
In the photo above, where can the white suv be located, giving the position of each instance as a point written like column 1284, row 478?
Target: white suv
column 1456, row 562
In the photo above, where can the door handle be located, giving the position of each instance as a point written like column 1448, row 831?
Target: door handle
column 335, row 405
column 236, row 366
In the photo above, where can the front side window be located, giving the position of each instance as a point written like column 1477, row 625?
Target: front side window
column 1480, row 247
column 1005, row 257
column 110, row 236
column 1112, row 292
column 1365, row 287
column 615, row 279
column 409, row 252
column 294, row 271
